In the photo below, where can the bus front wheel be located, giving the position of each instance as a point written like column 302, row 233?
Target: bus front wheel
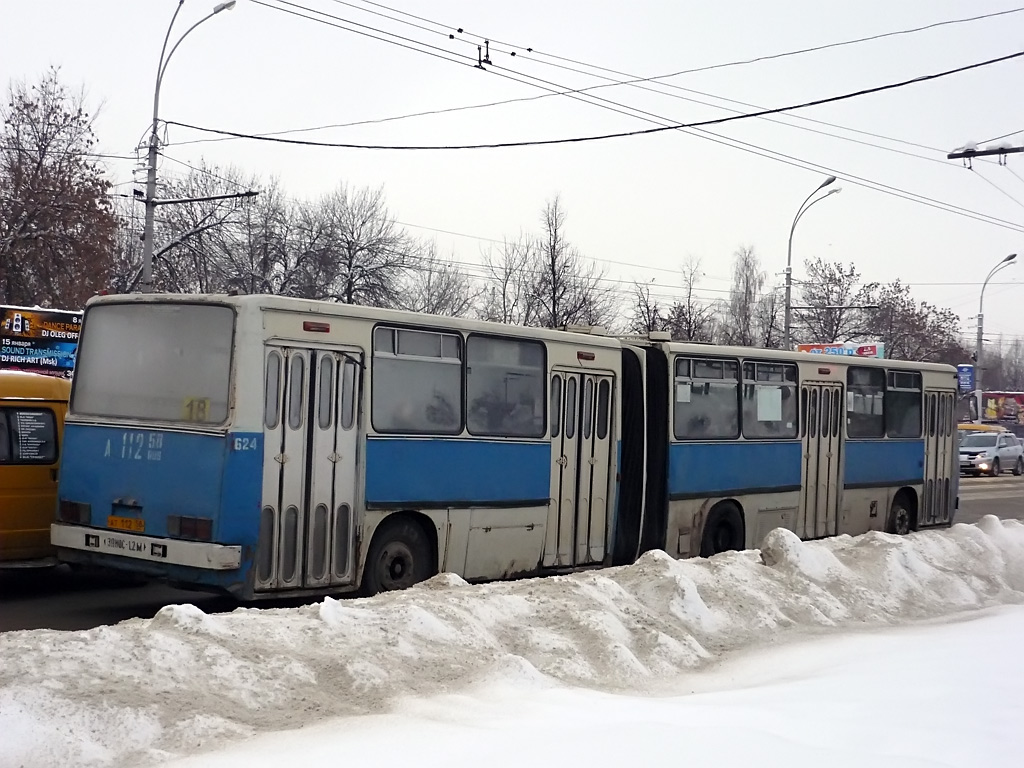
column 723, row 531
column 399, row 557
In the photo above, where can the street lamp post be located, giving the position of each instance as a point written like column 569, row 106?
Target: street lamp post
column 807, row 203
column 154, row 141
column 1008, row 261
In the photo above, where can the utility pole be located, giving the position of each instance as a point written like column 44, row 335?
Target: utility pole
column 1008, row 261
column 807, row 203
column 154, row 141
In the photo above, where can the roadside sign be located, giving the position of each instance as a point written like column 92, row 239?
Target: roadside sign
column 39, row 340
column 965, row 377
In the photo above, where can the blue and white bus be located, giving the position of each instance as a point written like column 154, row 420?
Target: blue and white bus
column 270, row 446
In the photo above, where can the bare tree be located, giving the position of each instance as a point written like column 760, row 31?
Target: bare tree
column 437, row 287
column 739, row 312
column 914, row 330
column 1004, row 365
column 835, row 298
column 365, row 253
column 691, row 318
column 264, row 260
column 647, row 314
column 508, row 291
column 769, row 319
column 57, row 225
column 568, row 287
column 199, row 248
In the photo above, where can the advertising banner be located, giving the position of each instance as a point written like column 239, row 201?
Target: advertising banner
column 39, row 340
column 854, row 349
column 1006, row 407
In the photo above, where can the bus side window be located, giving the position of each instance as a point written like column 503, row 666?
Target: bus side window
column 865, row 402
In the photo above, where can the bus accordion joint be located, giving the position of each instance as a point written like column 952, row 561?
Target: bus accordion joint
column 315, row 327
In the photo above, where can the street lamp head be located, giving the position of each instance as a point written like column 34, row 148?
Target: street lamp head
column 224, row 6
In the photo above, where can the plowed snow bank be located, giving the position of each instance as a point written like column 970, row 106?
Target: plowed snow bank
column 147, row 689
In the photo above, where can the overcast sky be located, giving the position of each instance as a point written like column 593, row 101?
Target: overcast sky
column 642, row 204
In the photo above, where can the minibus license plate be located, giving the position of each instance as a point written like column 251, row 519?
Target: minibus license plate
column 133, row 524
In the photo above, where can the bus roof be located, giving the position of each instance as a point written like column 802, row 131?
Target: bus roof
column 803, row 357
column 356, row 311
column 25, row 385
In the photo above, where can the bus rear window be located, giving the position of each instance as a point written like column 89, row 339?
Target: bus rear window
column 163, row 362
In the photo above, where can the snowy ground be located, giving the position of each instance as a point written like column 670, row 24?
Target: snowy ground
column 621, row 666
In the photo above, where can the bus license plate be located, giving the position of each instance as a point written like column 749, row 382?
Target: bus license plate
column 132, row 524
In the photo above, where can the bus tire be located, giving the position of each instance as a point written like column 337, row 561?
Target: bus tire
column 901, row 516
column 399, row 556
column 723, row 531
column 1018, row 468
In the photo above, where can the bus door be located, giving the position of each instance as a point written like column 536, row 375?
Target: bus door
column 581, row 419
column 309, row 472
column 822, row 409
column 938, row 439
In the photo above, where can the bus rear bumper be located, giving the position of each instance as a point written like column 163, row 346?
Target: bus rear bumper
column 195, row 554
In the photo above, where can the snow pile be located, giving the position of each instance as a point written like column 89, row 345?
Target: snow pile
column 147, row 690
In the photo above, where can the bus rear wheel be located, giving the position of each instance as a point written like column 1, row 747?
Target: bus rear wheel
column 723, row 531
column 399, row 557
column 901, row 517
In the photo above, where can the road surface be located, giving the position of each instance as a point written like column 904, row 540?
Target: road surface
column 60, row 599
column 1001, row 496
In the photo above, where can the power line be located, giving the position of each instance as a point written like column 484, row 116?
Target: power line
column 365, row 33
column 568, row 92
column 1007, row 167
column 793, row 161
column 100, row 155
column 722, row 65
column 754, row 149
column 636, row 79
column 624, row 134
column 204, row 170
column 1004, row 136
column 996, row 187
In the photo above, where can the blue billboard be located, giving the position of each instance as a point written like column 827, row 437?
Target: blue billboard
column 965, row 377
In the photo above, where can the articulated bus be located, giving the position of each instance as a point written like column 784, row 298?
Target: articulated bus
column 270, row 446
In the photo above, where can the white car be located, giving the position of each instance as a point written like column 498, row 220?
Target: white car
column 991, row 453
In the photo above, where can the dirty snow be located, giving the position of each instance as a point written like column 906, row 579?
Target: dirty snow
column 633, row 656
